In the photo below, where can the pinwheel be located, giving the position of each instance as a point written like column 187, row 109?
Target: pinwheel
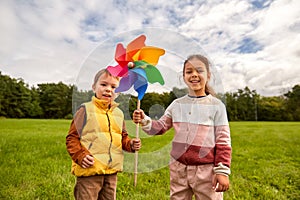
column 136, row 66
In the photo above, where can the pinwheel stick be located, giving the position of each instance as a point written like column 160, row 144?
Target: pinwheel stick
column 136, row 156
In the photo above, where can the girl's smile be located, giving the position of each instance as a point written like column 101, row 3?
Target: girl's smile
column 194, row 81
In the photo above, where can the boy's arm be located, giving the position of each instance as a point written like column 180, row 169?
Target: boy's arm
column 126, row 139
column 74, row 147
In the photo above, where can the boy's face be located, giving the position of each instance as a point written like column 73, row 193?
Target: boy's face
column 105, row 87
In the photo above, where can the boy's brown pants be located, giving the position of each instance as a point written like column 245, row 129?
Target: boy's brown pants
column 99, row 187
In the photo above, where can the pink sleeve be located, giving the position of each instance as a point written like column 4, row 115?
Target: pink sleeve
column 223, row 145
column 159, row 127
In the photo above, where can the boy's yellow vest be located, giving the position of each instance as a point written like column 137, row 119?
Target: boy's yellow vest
column 102, row 136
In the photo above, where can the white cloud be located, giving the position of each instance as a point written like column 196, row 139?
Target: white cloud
column 274, row 32
column 250, row 45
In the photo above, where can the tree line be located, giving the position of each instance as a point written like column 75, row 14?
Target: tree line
column 58, row 100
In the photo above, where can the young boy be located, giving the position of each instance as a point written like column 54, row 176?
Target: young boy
column 96, row 140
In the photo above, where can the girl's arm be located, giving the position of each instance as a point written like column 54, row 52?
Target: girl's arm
column 223, row 142
column 223, row 151
column 152, row 127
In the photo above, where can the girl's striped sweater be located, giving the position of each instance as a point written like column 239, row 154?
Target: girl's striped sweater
column 202, row 133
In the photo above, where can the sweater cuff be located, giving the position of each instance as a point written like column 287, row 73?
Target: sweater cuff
column 222, row 169
column 146, row 123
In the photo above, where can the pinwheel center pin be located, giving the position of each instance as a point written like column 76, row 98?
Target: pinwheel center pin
column 130, row 65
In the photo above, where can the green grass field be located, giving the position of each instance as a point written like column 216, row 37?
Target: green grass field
column 34, row 163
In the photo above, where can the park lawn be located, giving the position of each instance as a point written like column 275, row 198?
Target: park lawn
column 34, row 163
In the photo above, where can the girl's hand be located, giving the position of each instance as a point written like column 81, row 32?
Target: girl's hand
column 138, row 115
column 87, row 161
column 220, row 183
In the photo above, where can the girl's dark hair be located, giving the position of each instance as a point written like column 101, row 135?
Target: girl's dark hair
column 208, row 89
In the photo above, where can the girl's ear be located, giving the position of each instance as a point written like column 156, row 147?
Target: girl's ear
column 208, row 76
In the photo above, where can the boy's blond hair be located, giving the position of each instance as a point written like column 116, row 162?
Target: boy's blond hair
column 103, row 71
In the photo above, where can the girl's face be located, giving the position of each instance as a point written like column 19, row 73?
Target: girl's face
column 105, row 87
column 195, row 77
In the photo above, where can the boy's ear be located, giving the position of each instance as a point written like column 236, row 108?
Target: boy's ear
column 93, row 87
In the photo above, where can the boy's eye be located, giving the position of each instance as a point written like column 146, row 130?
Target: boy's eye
column 103, row 84
column 113, row 87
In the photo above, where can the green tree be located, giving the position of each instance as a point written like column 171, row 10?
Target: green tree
column 127, row 103
column 4, row 89
column 15, row 97
column 231, row 106
column 293, row 102
column 79, row 97
column 242, row 105
column 35, row 110
column 153, row 105
column 55, row 100
column 272, row 109
column 176, row 93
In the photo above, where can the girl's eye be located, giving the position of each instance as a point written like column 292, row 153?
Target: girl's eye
column 102, row 84
column 113, row 87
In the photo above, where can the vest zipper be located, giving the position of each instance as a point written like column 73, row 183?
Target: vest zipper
column 111, row 140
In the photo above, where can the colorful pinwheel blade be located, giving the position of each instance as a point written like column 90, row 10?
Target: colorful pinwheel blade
column 126, row 82
column 120, row 55
column 134, row 46
column 118, row 70
column 153, row 75
column 141, row 90
column 150, row 54
column 140, row 64
column 141, row 74
column 140, row 82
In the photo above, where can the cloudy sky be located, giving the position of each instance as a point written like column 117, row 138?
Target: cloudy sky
column 252, row 43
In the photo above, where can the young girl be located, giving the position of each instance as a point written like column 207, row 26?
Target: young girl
column 95, row 141
column 201, row 147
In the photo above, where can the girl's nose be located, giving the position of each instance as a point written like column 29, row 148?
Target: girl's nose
column 195, row 73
